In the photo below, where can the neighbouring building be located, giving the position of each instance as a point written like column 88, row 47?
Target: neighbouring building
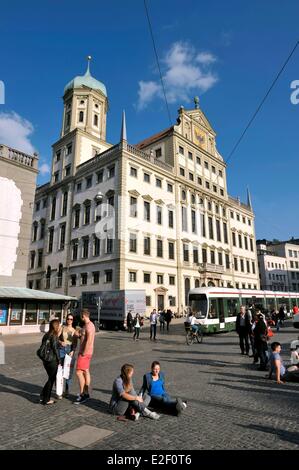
column 279, row 264
column 155, row 216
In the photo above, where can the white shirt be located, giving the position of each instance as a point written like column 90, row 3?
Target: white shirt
column 194, row 321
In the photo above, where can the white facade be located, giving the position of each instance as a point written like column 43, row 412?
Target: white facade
column 174, row 221
column 273, row 269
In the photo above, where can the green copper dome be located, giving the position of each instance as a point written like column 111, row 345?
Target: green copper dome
column 86, row 80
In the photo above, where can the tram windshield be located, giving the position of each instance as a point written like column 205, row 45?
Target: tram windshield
column 199, row 304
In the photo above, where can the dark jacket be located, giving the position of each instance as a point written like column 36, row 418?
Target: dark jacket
column 147, row 383
column 247, row 323
column 54, row 345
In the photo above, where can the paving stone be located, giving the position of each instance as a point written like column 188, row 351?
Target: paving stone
column 83, row 436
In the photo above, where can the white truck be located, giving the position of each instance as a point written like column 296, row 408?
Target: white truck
column 109, row 309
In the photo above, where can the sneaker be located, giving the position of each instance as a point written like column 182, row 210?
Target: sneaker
column 180, row 406
column 184, row 403
column 153, row 415
column 82, row 399
column 137, row 415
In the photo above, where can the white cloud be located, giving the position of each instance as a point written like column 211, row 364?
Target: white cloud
column 15, row 132
column 186, row 72
column 44, row 169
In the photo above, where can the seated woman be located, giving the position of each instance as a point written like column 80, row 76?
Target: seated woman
column 124, row 396
column 154, row 394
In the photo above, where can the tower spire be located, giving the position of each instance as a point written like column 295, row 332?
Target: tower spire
column 88, row 65
column 249, row 199
column 123, row 132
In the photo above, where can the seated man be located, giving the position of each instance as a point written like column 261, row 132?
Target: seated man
column 154, row 394
column 277, row 367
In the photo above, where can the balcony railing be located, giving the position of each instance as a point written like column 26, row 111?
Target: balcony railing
column 149, row 158
column 19, row 157
column 209, row 267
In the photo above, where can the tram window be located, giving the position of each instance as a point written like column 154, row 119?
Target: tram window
column 270, row 304
column 232, row 307
column 213, row 309
column 198, row 304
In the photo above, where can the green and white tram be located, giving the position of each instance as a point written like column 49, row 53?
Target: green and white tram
column 217, row 307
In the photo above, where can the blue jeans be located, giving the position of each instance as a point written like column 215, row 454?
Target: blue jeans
column 163, row 402
column 195, row 328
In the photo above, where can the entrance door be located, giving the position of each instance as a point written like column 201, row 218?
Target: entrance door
column 160, row 302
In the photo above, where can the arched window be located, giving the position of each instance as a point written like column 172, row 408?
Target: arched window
column 59, row 275
column 81, row 116
column 196, row 283
column 96, row 120
column 211, row 284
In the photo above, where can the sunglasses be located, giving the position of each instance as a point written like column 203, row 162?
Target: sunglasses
column 69, row 319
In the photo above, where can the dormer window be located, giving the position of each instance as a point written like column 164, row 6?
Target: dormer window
column 158, row 152
column 81, row 116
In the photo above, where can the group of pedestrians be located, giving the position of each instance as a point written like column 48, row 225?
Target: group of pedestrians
column 126, row 403
column 60, row 341
column 254, row 331
column 135, row 323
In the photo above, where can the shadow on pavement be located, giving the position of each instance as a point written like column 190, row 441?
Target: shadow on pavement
column 24, row 389
column 280, row 433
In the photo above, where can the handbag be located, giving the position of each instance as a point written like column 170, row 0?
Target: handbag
column 45, row 351
column 67, row 366
column 59, row 381
column 270, row 332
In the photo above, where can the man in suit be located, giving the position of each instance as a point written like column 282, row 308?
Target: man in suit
column 243, row 328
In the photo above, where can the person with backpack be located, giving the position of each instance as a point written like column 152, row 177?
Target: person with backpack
column 162, row 320
column 49, row 354
column 168, row 317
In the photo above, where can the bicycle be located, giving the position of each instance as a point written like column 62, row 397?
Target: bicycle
column 193, row 336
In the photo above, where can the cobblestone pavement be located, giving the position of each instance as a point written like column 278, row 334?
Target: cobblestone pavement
column 231, row 405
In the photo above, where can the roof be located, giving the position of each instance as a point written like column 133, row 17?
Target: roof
column 153, row 138
column 25, row 293
column 86, row 80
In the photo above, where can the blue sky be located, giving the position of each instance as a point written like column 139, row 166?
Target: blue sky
column 227, row 52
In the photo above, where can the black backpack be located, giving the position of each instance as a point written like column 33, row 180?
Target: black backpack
column 45, row 352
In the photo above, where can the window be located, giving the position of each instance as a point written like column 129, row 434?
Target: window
column 220, row 173
column 171, row 301
column 203, row 224
column 253, row 267
column 160, row 248
column 240, row 241
column 182, row 172
column 204, row 255
column 147, row 211
column 32, row 259
column 214, row 170
column 62, row 236
column 160, row 279
column 199, row 181
column 238, row 217
column 158, row 183
column 158, row 153
column 58, row 155
column 227, row 263
column 159, row 215
column 181, row 150
column 111, row 172
column 110, row 206
column 37, row 206
column 170, row 219
column 95, row 120
column 171, row 250
column 185, row 252
column 83, row 279
column 214, row 188
column 169, row 188
column 184, row 195
column 133, row 243
column 193, row 199
column 244, row 220
column 87, row 213
column 53, row 209
column 184, row 219
column 64, row 204
column 96, row 246
column 231, row 215
column 242, row 265
column 249, row 222
column 146, row 278
column 100, row 175
column 132, row 276
column 74, row 250
column 195, row 254
column 198, row 160
column 172, row 280
column 68, row 119
column 236, row 264
column 148, row 301
column 251, row 244
column 207, row 185
column 77, row 217
column 85, row 247
column 147, row 245
column 206, row 165
column 31, row 314
column 108, row 276
column 73, row 279
column 218, row 230
column 225, row 232
column 45, row 203
column 51, row 239
column 81, row 116
column 69, row 149
column 221, row 192
column 133, row 206
column 212, row 255
column 234, row 239
column 133, row 172
column 211, row 231
column 193, row 220
column 40, row 258
column 146, row 178
column 34, row 234
column 79, row 187
column 190, row 156
column 88, row 182
column 191, row 177
column 109, row 245
column 220, row 259
column 248, row 266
